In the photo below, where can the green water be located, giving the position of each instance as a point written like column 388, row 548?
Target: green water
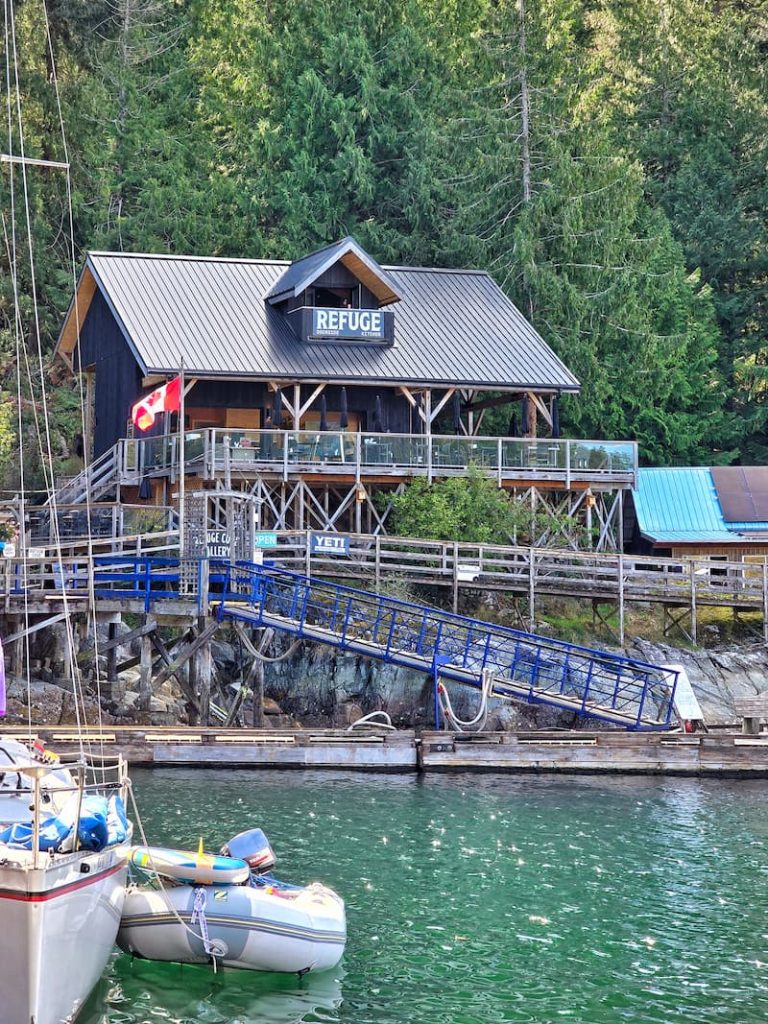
column 476, row 899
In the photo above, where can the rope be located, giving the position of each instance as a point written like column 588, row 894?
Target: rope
column 159, row 881
column 458, row 724
column 198, row 914
column 44, row 435
column 367, row 719
column 280, row 657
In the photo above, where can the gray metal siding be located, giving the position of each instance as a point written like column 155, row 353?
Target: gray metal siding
column 451, row 327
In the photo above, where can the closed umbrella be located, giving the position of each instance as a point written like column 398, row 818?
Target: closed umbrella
column 512, row 427
column 377, row 418
column 343, row 414
column 145, row 489
column 525, row 414
column 556, row 416
column 456, row 413
column 277, row 408
column 323, row 412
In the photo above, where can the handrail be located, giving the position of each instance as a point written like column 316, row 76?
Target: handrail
column 226, row 450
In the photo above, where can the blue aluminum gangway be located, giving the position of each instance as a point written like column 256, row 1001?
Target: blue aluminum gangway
column 522, row 666
column 534, row 669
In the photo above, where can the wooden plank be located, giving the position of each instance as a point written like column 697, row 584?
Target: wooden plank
column 126, row 638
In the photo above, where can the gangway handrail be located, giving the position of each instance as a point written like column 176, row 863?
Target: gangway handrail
column 613, row 687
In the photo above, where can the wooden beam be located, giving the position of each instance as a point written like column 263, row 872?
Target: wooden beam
column 126, row 638
column 315, row 394
column 33, row 629
column 546, row 415
column 186, row 653
column 435, row 412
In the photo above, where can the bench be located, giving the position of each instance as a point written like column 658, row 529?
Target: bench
column 751, row 710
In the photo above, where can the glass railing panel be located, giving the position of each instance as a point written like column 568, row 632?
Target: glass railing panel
column 318, row 447
column 194, row 446
column 545, row 453
column 602, row 456
column 156, row 452
column 393, row 450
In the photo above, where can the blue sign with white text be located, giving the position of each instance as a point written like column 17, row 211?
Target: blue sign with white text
column 329, row 544
column 265, row 539
column 348, row 323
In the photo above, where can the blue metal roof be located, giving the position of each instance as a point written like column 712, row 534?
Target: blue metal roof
column 681, row 506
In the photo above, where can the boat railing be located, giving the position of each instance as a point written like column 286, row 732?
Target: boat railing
column 91, row 774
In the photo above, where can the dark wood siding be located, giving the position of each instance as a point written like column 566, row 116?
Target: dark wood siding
column 117, row 374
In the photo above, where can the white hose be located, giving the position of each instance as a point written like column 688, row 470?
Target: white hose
column 453, row 719
column 368, row 720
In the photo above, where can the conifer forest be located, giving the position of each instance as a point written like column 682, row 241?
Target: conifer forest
column 605, row 160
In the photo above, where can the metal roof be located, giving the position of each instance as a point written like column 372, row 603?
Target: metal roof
column 451, row 326
column 681, row 506
column 302, row 273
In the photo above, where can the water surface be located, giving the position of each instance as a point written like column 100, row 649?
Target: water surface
column 476, row 899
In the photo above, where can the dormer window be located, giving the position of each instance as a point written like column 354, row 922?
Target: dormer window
column 334, row 298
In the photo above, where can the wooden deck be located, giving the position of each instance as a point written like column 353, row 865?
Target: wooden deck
column 341, row 456
column 727, row 754
column 369, row 561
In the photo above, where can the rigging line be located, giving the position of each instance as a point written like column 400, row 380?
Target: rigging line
column 72, row 660
column 13, row 267
column 79, row 368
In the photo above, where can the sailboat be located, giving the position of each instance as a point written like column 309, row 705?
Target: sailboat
column 63, row 832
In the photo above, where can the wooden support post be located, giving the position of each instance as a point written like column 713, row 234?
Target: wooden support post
column 112, row 653
column 455, row 577
column 531, row 589
column 765, row 601
column 257, row 685
column 204, row 673
column 620, row 568
column 145, row 678
column 693, row 602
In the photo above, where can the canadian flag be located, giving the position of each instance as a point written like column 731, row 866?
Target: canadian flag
column 164, row 399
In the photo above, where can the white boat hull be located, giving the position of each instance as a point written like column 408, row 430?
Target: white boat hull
column 249, row 928
column 59, row 924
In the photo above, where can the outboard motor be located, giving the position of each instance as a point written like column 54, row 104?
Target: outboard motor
column 253, row 847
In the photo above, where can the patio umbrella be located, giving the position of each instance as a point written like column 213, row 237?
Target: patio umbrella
column 556, row 416
column 456, row 413
column 145, row 489
column 525, row 414
column 323, row 412
column 378, row 424
column 277, row 408
column 343, row 414
column 512, row 427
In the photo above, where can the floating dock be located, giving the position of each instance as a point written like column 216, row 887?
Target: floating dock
column 719, row 753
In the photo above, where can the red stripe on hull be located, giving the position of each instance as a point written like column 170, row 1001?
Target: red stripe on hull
column 51, row 894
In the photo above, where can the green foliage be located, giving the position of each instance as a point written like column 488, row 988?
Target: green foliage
column 470, row 509
column 605, row 161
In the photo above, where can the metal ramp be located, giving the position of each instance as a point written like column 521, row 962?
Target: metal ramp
column 538, row 670
column 525, row 667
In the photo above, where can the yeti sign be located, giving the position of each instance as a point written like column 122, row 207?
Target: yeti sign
column 348, row 323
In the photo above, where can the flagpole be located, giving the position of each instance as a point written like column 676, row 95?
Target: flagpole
column 182, row 459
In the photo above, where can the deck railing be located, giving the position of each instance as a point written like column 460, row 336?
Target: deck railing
column 215, row 451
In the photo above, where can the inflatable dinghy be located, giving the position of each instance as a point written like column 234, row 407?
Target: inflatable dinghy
column 260, row 924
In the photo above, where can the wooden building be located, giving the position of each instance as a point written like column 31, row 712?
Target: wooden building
column 695, row 512
column 316, row 384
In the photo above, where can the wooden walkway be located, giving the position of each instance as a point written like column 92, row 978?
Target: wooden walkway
column 374, row 561
column 718, row 753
